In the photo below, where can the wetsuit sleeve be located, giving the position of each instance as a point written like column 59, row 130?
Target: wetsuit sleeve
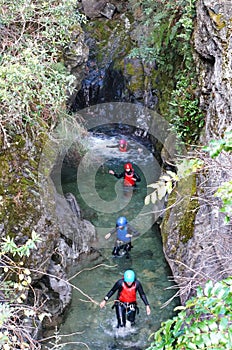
column 116, row 287
column 137, row 177
column 114, row 230
column 119, row 176
column 141, row 292
column 132, row 230
column 112, row 146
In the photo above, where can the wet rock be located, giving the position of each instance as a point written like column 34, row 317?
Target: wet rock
column 109, row 10
column 197, row 245
column 213, row 42
column 75, row 57
column 93, row 8
column 60, row 286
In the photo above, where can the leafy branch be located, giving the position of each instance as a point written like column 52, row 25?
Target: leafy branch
column 9, row 246
column 169, row 180
column 203, row 323
column 224, row 191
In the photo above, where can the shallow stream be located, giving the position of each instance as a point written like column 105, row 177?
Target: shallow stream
column 102, row 200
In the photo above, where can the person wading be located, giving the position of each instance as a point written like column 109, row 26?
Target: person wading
column 129, row 175
column 124, row 233
column 126, row 305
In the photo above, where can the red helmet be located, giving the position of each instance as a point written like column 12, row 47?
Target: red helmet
column 128, row 166
column 122, row 142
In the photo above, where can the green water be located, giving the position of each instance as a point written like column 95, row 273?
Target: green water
column 86, row 326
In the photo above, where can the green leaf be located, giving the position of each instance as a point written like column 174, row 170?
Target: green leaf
column 208, row 288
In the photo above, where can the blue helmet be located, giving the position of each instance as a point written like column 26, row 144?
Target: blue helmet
column 121, row 221
column 129, row 276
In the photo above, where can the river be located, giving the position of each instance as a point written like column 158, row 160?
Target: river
column 102, row 200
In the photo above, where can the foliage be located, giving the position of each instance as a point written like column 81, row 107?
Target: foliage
column 186, row 167
column 215, row 147
column 168, row 181
column 203, row 323
column 35, row 36
column 15, row 284
column 9, row 245
column 170, row 24
column 33, row 79
column 57, row 342
column 224, row 191
column 186, row 116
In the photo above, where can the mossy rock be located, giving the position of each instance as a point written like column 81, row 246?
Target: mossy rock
column 18, row 190
column 180, row 218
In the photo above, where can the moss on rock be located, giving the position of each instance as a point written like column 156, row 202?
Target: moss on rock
column 178, row 224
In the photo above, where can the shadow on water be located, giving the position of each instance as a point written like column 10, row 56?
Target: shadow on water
column 85, row 324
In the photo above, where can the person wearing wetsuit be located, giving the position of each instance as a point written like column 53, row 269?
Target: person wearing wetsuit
column 122, row 146
column 124, row 233
column 129, row 175
column 126, row 304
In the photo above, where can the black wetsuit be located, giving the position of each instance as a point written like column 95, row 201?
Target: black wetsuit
column 126, row 309
column 123, row 175
column 123, row 242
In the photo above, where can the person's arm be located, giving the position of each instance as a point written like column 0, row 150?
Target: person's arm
column 108, row 235
column 143, row 296
column 116, row 287
column 137, row 177
column 111, row 146
column 118, row 176
column 132, row 231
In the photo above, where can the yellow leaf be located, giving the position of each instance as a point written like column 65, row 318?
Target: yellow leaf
column 161, row 192
column 179, row 308
column 21, row 276
column 154, row 197
column 147, row 200
column 169, row 187
column 20, row 287
column 28, row 279
column 165, row 178
column 155, row 185
column 23, row 296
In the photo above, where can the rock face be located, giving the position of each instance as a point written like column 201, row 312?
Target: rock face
column 98, row 8
column 197, row 241
column 213, row 44
column 75, row 57
column 62, row 241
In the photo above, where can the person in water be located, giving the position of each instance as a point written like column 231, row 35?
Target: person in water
column 126, row 304
column 124, row 233
column 129, row 175
column 122, row 145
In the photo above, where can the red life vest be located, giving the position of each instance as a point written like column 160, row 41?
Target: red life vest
column 122, row 146
column 128, row 179
column 122, row 149
column 128, row 294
